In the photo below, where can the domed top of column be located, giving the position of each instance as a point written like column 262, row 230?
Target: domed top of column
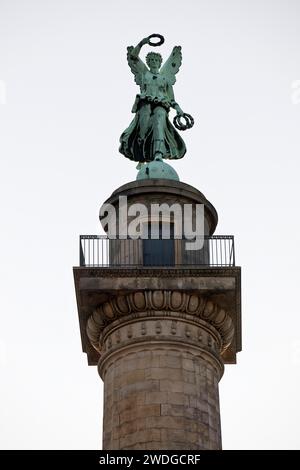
column 162, row 190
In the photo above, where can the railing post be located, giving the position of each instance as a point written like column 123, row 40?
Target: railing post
column 81, row 254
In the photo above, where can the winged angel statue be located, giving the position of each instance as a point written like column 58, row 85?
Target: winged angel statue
column 151, row 135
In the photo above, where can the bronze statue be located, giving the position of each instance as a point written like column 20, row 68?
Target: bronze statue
column 151, row 135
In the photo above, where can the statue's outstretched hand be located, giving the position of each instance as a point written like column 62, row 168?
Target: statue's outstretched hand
column 152, row 40
column 180, row 113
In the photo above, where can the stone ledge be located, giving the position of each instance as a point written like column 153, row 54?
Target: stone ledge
column 94, row 286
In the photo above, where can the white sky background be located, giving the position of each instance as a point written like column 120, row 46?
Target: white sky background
column 69, row 93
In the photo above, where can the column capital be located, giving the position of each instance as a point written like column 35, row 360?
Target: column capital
column 162, row 303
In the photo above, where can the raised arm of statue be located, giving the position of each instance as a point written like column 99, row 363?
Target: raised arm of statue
column 136, row 50
column 137, row 66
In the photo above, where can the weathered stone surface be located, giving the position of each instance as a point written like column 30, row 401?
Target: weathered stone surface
column 161, row 384
column 167, row 417
column 95, row 286
column 130, row 284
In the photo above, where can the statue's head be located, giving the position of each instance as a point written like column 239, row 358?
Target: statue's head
column 154, row 61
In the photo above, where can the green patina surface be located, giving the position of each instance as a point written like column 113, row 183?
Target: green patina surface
column 157, row 169
column 151, row 135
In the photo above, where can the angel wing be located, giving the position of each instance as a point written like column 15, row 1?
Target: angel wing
column 172, row 65
column 137, row 66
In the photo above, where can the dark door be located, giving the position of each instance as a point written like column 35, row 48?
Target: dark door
column 159, row 252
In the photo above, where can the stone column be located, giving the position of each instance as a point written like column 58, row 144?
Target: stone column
column 160, row 360
column 160, row 334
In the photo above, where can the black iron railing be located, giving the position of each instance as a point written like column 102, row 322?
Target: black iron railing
column 99, row 251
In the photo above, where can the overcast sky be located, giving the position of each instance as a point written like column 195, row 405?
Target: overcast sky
column 66, row 94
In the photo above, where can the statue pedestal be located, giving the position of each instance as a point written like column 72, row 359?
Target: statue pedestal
column 157, row 169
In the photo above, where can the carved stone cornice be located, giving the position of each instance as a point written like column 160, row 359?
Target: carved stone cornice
column 194, row 306
column 163, row 271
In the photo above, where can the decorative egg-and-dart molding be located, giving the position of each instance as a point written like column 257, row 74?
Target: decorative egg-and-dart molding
column 157, row 301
